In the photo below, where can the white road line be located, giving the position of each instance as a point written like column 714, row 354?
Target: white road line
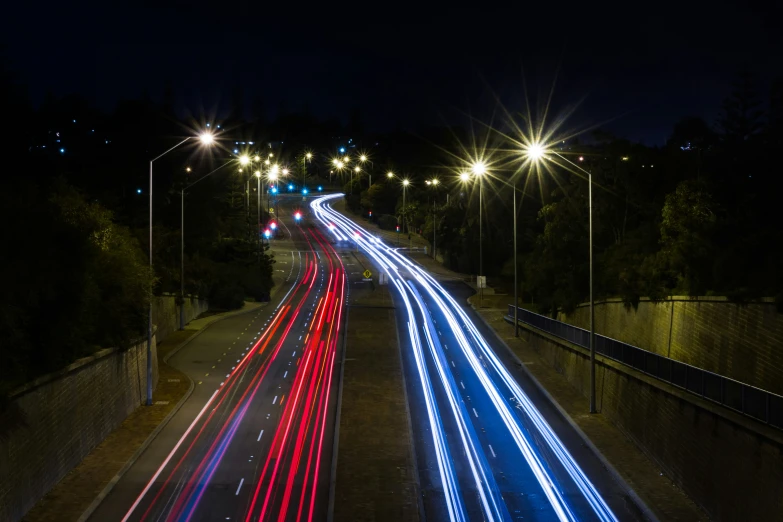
column 300, row 337
column 293, row 354
column 474, row 411
column 462, row 384
column 275, row 400
column 259, row 435
column 493, row 451
column 285, row 374
column 240, row 486
column 453, row 365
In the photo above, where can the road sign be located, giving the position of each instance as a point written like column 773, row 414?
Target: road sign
column 481, row 281
column 367, row 274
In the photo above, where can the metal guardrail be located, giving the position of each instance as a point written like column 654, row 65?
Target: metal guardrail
column 745, row 399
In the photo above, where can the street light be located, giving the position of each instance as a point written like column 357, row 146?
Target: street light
column 357, row 170
column 307, row 157
column 434, row 184
column 390, row 174
column 479, row 169
column 182, row 245
column 405, row 183
column 206, row 138
column 590, row 250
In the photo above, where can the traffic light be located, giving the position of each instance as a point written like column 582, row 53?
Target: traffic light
column 398, row 229
column 370, row 212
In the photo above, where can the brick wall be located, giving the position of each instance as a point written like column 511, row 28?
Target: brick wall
column 55, row 421
column 730, row 465
column 743, row 342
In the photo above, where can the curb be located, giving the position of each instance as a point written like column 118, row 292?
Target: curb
column 152, row 436
column 336, row 443
column 643, row 507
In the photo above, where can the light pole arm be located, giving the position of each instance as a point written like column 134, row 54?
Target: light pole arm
column 172, row 148
column 206, row 176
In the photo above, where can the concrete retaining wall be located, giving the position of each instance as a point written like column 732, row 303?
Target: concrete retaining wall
column 743, row 342
column 730, row 465
column 55, row 421
column 165, row 312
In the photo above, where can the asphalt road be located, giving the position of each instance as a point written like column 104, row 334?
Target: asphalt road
column 489, row 445
column 254, row 440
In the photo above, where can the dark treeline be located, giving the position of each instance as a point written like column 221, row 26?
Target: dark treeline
column 75, row 210
column 698, row 216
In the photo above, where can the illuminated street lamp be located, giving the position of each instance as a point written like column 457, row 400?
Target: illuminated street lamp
column 479, row 169
column 590, row 253
column 307, row 157
column 390, row 174
column 405, row 183
column 206, row 138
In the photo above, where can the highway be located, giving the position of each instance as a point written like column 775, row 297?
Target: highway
column 489, row 447
column 254, row 441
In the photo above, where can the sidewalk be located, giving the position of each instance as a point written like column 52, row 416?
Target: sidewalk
column 75, row 493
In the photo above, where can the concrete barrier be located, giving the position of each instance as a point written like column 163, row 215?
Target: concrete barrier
column 54, row 422
column 739, row 341
column 728, row 464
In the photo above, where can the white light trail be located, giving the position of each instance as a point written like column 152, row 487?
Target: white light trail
column 474, row 347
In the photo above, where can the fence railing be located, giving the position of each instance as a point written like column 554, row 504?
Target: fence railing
column 745, row 399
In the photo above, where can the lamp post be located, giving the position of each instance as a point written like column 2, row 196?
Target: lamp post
column 405, row 184
column 182, row 244
column 479, row 169
column 590, row 253
column 434, row 184
column 364, row 159
column 274, row 174
column 357, row 170
column 307, row 157
column 206, row 139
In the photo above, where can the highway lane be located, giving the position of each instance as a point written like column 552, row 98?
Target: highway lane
column 485, row 449
column 254, row 441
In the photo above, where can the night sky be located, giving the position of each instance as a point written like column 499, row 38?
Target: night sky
column 638, row 67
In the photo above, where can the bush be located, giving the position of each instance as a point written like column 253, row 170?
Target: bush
column 387, row 222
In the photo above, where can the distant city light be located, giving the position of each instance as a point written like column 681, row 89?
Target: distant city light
column 138, row 191
column 342, row 149
column 207, row 124
column 304, row 191
column 62, row 151
column 320, row 188
column 267, row 233
column 274, row 190
column 273, row 225
column 74, row 121
column 581, row 158
column 290, row 187
column 236, row 151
